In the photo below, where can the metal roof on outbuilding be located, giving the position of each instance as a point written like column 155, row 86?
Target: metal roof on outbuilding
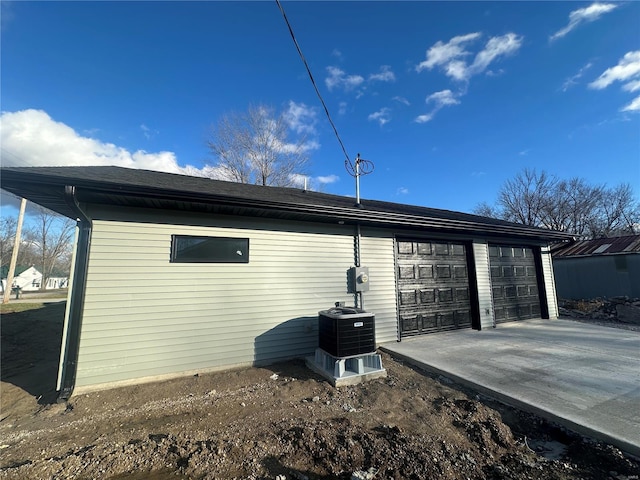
column 599, row 246
column 150, row 189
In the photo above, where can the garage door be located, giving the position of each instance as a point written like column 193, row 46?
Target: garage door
column 433, row 286
column 514, row 283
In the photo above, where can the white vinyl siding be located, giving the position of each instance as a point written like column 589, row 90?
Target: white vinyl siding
column 146, row 317
column 549, row 282
column 483, row 277
column 376, row 252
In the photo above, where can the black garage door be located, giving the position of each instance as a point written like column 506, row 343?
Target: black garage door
column 514, row 283
column 433, row 286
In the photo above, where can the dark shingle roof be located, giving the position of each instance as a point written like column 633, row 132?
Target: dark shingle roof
column 151, row 189
column 599, row 246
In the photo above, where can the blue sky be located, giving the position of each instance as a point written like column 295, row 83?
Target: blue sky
column 448, row 99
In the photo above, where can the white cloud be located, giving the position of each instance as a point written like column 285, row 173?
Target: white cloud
column 33, row 138
column 571, row 81
column 627, row 71
column 402, row 100
column 147, row 132
column 312, row 183
column 385, row 75
column 634, row 106
column 342, row 108
column 300, row 181
column 628, row 68
column 442, row 54
column 301, row 118
column 382, row 116
column 450, row 56
column 402, row 191
column 282, row 147
column 632, row 86
column 583, row 15
column 424, row 118
column 496, row 47
column 496, row 73
column 327, row 179
column 338, row 78
column 444, row 98
column 91, row 131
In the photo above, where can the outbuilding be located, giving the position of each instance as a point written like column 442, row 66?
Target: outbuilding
column 175, row 275
column 601, row 267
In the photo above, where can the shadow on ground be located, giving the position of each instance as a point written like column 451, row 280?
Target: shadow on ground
column 30, row 349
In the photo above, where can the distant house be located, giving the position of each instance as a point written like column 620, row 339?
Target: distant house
column 29, row 279
column 175, row 275
column 604, row 267
column 26, row 278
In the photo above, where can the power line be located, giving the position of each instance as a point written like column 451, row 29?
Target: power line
column 324, row 105
column 13, row 159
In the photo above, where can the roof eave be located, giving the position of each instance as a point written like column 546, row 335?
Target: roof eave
column 21, row 182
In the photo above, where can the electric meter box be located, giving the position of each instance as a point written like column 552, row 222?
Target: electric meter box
column 346, row 332
column 358, row 279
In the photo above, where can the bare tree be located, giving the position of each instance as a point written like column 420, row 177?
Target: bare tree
column 7, row 234
column 485, row 210
column 524, row 198
column 571, row 206
column 574, row 206
column 616, row 213
column 50, row 236
column 26, row 253
column 254, row 147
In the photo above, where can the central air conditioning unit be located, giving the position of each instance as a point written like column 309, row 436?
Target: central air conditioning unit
column 346, row 332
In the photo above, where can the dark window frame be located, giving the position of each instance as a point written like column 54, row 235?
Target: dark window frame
column 227, row 244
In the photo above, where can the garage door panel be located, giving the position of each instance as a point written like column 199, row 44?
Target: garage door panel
column 421, row 324
column 433, row 286
column 425, row 272
column 428, row 296
column 514, row 283
column 407, row 272
column 408, row 298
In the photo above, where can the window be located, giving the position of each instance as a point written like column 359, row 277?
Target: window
column 188, row 249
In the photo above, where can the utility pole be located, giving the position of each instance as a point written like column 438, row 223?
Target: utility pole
column 14, row 254
column 357, row 169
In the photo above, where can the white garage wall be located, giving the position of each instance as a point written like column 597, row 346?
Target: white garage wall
column 483, row 277
column 549, row 282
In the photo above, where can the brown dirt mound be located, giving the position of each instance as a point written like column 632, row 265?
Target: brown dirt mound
column 253, row 424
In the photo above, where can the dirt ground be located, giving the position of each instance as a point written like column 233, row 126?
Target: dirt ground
column 281, row 422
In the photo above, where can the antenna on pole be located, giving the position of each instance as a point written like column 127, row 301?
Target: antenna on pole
column 357, row 169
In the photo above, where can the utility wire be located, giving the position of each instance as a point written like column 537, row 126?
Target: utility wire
column 324, row 105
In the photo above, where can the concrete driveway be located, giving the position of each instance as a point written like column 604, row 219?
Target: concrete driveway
column 581, row 376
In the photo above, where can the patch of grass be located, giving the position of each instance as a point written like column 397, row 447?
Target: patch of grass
column 19, row 307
